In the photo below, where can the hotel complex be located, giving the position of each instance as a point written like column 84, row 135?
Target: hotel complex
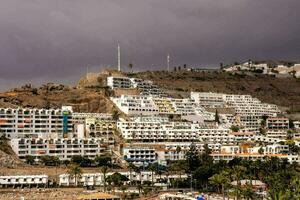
column 153, row 127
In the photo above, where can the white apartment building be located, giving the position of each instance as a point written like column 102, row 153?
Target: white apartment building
column 80, row 118
column 208, row 99
column 253, row 156
column 148, row 105
column 146, row 87
column 96, row 179
column 100, row 129
column 229, row 152
column 24, row 180
column 64, row 149
column 242, row 104
column 173, row 132
column 277, row 123
column 140, row 155
column 268, row 149
column 155, row 118
column 136, row 105
column 277, row 127
column 119, row 82
column 22, row 122
column 266, row 139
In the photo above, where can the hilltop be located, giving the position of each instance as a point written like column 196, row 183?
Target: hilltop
column 91, row 94
column 284, row 92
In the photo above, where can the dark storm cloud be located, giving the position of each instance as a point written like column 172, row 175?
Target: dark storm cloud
column 54, row 40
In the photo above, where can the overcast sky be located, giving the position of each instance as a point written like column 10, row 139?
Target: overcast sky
column 55, row 40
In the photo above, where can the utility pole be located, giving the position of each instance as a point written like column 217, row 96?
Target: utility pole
column 87, row 71
column 168, row 62
column 119, row 58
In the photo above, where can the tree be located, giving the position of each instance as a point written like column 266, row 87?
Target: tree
column 131, row 168
column 234, row 128
column 117, row 179
column 104, row 170
column 247, row 192
column 103, row 161
column 115, row 115
column 29, row 159
column 289, row 135
column 192, row 158
column 261, row 150
column 130, row 66
column 237, row 173
column 75, row 172
column 49, row 160
column 221, row 180
column 217, row 118
column 81, row 161
column 152, row 167
column 221, row 65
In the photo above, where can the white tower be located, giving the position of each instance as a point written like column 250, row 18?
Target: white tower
column 119, row 58
column 168, row 62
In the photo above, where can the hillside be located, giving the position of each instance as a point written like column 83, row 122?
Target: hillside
column 284, row 92
column 54, row 96
column 7, row 156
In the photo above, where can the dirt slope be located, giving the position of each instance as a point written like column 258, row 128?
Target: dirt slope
column 281, row 91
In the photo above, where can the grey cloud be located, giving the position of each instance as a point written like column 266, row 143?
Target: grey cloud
column 54, row 40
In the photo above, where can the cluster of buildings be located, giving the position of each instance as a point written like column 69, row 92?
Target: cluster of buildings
column 280, row 69
column 57, row 132
column 156, row 129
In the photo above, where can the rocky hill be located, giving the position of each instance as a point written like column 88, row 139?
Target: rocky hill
column 7, row 156
column 284, row 92
column 91, row 95
column 55, row 95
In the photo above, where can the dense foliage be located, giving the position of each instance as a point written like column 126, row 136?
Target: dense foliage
column 281, row 178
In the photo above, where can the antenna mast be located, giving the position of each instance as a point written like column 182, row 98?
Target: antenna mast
column 119, row 58
column 168, row 62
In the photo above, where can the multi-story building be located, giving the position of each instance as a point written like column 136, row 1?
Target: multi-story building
column 80, row 118
column 146, row 87
column 64, row 149
column 278, row 123
column 136, row 105
column 119, row 82
column 254, row 156
column 250, row 152
column 21, row 122
column 101, row 129
column 24, row 180
column 97, row 179
column 173, row 132
column 140, row 155
column 244, row 105
column 277, row 127
column 208, row 99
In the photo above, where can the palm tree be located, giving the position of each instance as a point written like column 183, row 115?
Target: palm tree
column 139, row 186
column 248, row 192
column 220, row 180
column 130, row 66
column 75, row 171
column 104, row 170
column 152, row 168
column 237, row 173
column 131, row 168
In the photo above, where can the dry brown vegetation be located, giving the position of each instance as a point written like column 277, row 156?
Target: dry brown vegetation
column 284, row 92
